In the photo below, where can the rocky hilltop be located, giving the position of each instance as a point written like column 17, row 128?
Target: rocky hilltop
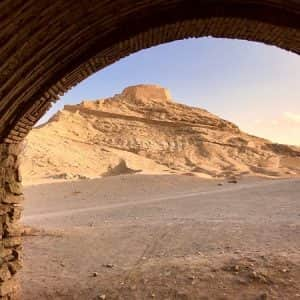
column 144, row 130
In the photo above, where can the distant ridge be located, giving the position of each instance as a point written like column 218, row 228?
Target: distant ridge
column 144, row 129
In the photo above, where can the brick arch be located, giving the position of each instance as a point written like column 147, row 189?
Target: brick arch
column 50, row 46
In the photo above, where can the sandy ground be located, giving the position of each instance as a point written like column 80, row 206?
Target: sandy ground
column 162, row 237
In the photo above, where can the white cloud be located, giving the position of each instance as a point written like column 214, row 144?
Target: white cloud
column 283, row 129
column 295, row 118
column 275, row 122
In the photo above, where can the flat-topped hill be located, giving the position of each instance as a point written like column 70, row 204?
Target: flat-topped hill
column 144, row 130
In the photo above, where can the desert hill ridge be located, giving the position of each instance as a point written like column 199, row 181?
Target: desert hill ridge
column 144, row 130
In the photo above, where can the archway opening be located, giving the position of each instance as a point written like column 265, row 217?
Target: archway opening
column 170, row 233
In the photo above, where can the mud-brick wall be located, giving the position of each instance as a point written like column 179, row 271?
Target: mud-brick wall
column 10, row 212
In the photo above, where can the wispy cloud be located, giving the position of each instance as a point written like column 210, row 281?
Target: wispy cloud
column 295, row 118
column 283, row 129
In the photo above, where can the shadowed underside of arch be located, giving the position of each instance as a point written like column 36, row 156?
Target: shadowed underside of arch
column 47, row 47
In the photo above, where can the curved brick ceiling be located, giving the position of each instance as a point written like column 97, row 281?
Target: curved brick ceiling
column 47, row 47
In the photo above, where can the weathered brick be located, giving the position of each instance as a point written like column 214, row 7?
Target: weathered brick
column 2, row 177
column 15, row 149
column 2, row 194
column 15, row 213
column 13, row 199
column 14, row 188
column 5, row 273
column 14, row 266
column 11, row 242
column 8, row 287
column 8, row 162
column 19, row 175
column 5, row 253
column 12, row 230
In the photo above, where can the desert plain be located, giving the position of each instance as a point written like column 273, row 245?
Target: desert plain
column 138, row 197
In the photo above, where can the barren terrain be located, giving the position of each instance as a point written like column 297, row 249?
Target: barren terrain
column 142, row 130
column 139, row 197
column 162, row 237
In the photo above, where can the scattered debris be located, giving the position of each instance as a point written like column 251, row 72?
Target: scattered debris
column 109, row 266
column 232, row 181
column 262, row 296
column 241, row 280
column 236, row 268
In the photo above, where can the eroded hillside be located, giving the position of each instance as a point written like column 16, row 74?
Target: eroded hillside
column 144, row 130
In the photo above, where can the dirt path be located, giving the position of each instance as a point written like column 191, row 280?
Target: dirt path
column 163, row 237
column 181, row 196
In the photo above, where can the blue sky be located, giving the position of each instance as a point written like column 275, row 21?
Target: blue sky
column 251, row 84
